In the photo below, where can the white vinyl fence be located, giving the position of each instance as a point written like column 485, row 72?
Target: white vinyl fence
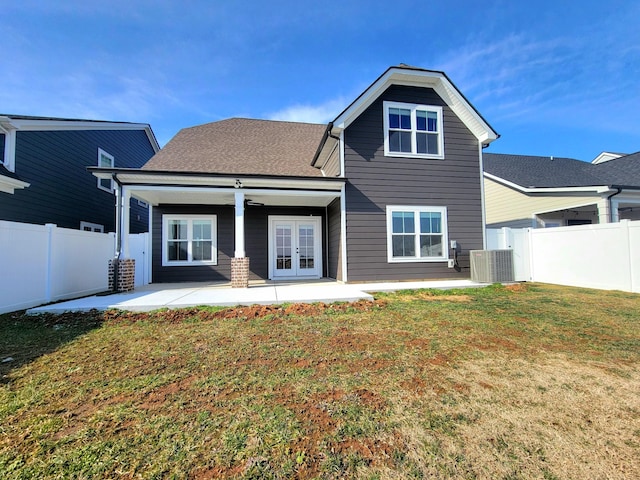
column 604, row 256
column 43, row 263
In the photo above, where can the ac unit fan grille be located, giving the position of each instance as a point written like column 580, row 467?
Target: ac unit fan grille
column 492, row 266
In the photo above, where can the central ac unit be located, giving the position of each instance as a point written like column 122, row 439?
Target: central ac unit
column 492, row 266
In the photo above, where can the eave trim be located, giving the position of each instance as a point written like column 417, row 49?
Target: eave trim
column 542, row 190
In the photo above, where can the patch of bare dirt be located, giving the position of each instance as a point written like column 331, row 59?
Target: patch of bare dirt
column 317, row 413
column 243, row 312
column 517, row 287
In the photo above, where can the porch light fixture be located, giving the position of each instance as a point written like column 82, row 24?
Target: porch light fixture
column 238, row 183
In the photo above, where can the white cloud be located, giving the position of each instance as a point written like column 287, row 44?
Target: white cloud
column 322, row 113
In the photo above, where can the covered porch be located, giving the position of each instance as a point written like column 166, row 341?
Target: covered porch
column 616, row 205
column 230, row 228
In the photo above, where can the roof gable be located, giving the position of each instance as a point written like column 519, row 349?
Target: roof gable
column 413, row 76
column 242, row 146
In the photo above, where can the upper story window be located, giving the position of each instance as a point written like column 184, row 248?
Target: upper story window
column 412, row 130
column 105, row 160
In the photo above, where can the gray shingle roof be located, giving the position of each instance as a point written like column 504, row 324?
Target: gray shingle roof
column 58, row 119
column 546, row 172
column 623, row 171
column 243, row 146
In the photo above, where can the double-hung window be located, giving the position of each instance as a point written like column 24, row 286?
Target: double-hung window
column 189, row 240
column 416, row 234
column 412, row 130
column 105, row 160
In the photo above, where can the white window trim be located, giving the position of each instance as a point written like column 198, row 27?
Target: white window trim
column 416, row 210
column 95, row 227
column 190, row 218
column 9, row 160
column 102, row 153
column 413, row 107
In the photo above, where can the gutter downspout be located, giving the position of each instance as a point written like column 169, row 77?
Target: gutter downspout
column 619, row 190
column 118, row 253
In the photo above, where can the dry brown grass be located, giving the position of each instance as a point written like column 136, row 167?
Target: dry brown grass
column 550, row 418
column 509, row 383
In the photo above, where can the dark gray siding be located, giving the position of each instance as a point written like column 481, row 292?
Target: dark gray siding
column 62, row 191
column 375, row 181
column 334, row 267
column 256, row 241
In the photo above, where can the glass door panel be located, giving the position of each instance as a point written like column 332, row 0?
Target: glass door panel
column 306, row 248
column 296, row 247
column 284, row 248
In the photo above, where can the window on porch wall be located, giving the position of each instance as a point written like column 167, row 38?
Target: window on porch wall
column 189, row 240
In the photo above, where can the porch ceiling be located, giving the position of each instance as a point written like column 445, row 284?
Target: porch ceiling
column 197, row 188
column 203, row 196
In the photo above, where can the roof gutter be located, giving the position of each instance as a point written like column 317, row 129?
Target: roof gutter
column 118, row 252
column 325, row 136
column 610, row 202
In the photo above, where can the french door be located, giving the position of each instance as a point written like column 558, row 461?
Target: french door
column 295, row 248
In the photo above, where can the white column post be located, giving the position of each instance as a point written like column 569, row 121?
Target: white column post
column 606, row 212
column 239, row 224
column 126, row 201
column 149, row 247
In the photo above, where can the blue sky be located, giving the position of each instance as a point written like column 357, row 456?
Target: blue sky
column 555, row 78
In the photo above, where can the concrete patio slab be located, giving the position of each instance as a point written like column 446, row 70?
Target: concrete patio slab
column 181, row 295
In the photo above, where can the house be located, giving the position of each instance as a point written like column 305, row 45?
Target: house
column 390, row 190
column 44, row 177
column 527, row 191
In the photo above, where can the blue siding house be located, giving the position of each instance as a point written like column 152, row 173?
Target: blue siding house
column 44, row 177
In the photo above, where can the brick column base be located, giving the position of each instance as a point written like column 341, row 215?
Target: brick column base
column 240, row 272
column 126, row 274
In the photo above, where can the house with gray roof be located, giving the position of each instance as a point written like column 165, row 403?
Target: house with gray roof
column 44, row 177
column 529, row 191
column 390, row 190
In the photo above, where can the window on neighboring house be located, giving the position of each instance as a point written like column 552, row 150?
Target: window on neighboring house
column 413, row 130
column 416, row 234
column 91, row 227
column 105, row 160
column 2, row 147
column 189, row 240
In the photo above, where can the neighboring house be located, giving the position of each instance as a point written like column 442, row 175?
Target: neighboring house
column 380, row 193
column 44, row 177
column 527, row 191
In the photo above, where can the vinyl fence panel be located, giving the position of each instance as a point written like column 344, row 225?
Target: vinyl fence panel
column 43, row 263
column 603, row 256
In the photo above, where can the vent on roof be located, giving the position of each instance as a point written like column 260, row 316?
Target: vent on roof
column 492, row 266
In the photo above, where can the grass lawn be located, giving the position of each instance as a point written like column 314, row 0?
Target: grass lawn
column 530, row 381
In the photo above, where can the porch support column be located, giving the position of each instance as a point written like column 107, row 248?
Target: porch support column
column 122, row 268
column 126, row 221
column 605, row 213
column 239, row 251
column 240, row 262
